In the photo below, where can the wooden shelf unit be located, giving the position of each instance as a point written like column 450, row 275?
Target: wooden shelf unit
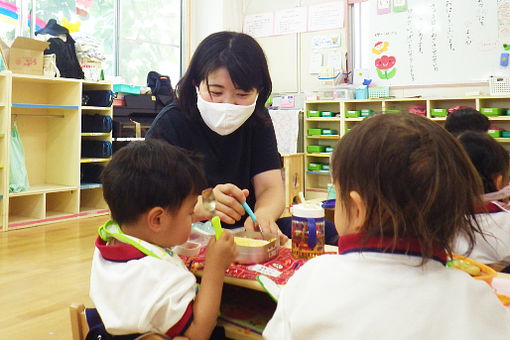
column 316, row 182
column 5, row 108
column 47, row 112
column 91, row 196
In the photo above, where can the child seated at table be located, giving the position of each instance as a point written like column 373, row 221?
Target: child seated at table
column 492, row 162
column 137, row 284
column 401, row 197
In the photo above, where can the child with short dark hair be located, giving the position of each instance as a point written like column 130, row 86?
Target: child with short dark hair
column 137, row 284
column 401, row 199
column 492, row 162
column 466, row 119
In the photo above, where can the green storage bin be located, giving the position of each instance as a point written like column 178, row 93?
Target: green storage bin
column 328, row 149
column 494, row 133
column 313, row 113
column 327, row 114
column 353, row 114
column 438, row 112
column 315, row 148
column 325, row 167
column 314, row 132
column 329, row 132
column 505, row 134
column 366, row 112
column 392, row 111
column 312, row 166
column 491, row 111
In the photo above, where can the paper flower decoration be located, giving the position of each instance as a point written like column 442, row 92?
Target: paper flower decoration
column 383, row 65
column 380, row 47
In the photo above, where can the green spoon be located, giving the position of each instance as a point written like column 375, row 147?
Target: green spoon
column 209, row 204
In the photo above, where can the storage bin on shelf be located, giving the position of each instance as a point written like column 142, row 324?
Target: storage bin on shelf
column 315, row 148
column 494, row 133
column 438, row 112
column 352, row 113
column 361, row 93
column 379, row 92
column 491, row 111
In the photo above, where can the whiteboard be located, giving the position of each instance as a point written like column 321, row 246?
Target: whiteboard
column 436, row 41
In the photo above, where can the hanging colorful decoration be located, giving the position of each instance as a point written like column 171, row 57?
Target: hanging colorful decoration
column 380, row 47
column 82, row 7
column 385, row 64
column 72, row 28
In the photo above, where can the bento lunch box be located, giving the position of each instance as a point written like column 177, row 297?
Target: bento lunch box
column 257, row 254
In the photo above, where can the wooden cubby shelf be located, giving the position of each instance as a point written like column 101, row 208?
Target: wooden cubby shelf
column 317, row 181
column 47, row 112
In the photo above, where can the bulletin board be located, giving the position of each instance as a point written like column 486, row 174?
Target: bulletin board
column 289, row 54
column 419, row 42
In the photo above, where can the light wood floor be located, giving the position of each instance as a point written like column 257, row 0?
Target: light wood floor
column 42, row 271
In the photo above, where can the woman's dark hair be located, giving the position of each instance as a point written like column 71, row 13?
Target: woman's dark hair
column 148, row 174
column 466, row 119
column 415, row 180
column 488, row 156
column 240, row 54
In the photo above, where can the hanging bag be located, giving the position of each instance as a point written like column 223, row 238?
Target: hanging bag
column 161, row 88
column 18, row 177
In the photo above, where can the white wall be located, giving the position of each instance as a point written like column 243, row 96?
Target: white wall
column 209, row 16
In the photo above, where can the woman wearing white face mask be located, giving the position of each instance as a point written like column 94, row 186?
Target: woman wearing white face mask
column 492, row 162
column 220, row 114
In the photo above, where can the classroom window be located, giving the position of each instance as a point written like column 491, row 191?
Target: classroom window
column 94, row 18
column 149, row 39
column 137, row 36
column 8, row 20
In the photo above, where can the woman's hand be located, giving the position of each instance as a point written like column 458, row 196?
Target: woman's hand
column 265, row 224
column 228, row 197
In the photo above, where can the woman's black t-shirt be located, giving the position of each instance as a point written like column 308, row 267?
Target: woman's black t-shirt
column 235, row 158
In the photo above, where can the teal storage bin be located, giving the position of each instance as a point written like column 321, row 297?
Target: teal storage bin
column 505, row 134
column 314, row 132
column 125, row 88
column 315, row 148
column 353, row 114
column 328, row 149
column 327, row 114
column 361, row 93
column 325, row 167
column 491, row 111
column 438, row 112
column 366, row 112
column 329, row 132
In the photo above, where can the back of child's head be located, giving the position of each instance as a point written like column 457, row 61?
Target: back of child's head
column 466, row 119
column 488, row 156
column 412, row 176
column 143, row 175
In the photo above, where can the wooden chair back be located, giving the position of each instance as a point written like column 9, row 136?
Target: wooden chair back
column 80, row 327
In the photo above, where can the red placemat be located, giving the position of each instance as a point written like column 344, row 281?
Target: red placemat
column 280, row 269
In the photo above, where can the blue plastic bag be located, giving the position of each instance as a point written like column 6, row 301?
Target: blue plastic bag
column 18, row 177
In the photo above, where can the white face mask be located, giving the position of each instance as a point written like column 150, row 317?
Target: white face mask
column 224, row 118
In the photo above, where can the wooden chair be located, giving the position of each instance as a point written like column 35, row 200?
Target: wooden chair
column 80, row 327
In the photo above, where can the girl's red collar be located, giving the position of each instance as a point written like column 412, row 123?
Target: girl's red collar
column 384, row 244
